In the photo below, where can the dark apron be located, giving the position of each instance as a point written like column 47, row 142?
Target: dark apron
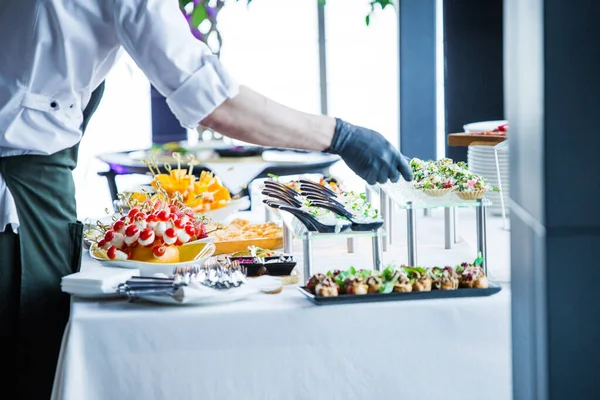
column 33, row 310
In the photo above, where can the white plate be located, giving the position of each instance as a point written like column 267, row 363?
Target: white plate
column 488, row 149
column 492, row 166
column 479, row 154
column 234, row 295
column 489, row 171
column 504, row 162
column 483, row 126
column 234, row 206
column 148, row 269
column 206, row 296
column 489, row 157
column 488, row 164
column 488, row 161
column 479, row 167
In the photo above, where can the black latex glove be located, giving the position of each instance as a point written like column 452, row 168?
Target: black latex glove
column 368, row 154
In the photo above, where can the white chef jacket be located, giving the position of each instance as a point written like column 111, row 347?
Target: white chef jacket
column 54, row 53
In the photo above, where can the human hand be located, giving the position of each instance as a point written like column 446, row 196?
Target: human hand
column 369, row 154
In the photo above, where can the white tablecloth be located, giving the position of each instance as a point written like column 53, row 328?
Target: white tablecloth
column 282, row 347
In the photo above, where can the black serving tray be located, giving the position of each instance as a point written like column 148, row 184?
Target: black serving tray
column 273, row 269
column 397, row 296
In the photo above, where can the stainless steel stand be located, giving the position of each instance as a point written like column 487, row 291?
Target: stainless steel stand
column 350, row 243
column 383, row 209
column 307, row 253
column 455, row 223
column 369, row 193
column 481, row 233
column 390, row 228
column 288, row 240
column 377, row 255
column 448, row 227
column 411, row 238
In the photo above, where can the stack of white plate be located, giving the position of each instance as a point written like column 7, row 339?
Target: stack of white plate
column 481, row 161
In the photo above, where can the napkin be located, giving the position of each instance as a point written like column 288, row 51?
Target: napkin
column 96, row 280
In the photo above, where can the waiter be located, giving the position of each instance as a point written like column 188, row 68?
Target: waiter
column 54, row 56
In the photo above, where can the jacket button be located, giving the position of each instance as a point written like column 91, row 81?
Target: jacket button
column 53, row 104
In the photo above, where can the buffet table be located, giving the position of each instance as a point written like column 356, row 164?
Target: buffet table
column 284, row 347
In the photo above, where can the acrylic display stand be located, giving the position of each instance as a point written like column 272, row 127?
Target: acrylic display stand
column 293, row 228
column 406, row 197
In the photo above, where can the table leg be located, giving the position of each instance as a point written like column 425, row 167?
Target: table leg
column 350, row 243
column 307, row 253
column 383, row 210
column 411, row 234
column 377, row 255
column 448, row 227
column 288, row 240
column 481, row 233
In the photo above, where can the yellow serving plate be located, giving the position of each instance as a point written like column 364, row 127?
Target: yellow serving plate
column 233, row 246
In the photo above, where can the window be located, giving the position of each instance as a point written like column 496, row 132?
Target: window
column 362, row 69
column 272, row 47
column 122, row 122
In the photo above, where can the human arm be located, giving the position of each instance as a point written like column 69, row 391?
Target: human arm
column 253, row 118
column 199, row 90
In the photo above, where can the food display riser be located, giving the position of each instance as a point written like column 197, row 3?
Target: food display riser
column 294, row 229
column 402, row 195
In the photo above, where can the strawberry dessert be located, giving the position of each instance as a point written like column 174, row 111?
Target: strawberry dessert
column 151, row 231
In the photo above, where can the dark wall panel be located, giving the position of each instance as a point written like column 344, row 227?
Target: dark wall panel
column 417, row 78
column 572, row 108
column 552, row 87
column 165, row 127
column 473, row 52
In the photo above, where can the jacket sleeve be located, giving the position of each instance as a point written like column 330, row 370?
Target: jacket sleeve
column 182, row 68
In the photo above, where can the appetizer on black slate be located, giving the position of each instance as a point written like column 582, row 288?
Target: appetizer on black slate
column 314, row 281
column 402, row 279
column 420, row 278
column 444, row 278
column 375, row 282
column 327, row 287
column 473, row 277
column 355, row 285
column 403, row 283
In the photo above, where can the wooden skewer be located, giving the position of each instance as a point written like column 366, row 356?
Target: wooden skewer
column 177, row 156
